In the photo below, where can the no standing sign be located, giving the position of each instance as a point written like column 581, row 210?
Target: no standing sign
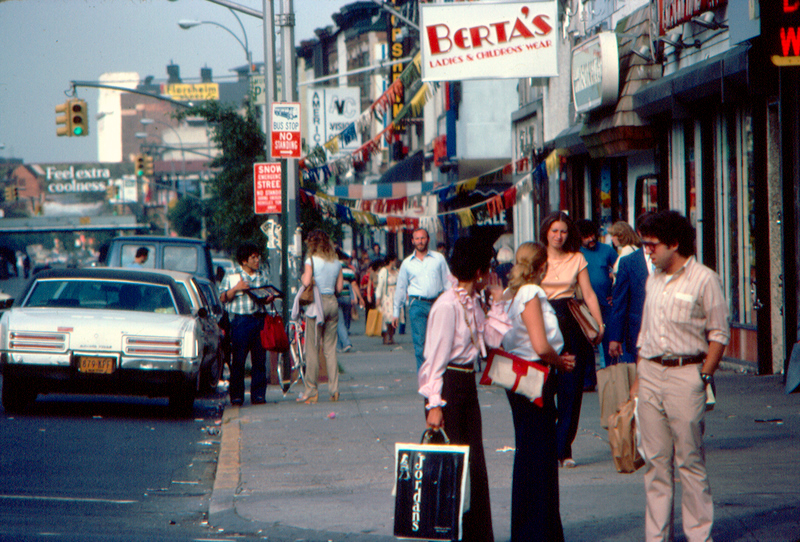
column 285, row 133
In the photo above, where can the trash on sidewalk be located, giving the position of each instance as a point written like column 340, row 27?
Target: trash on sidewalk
column 332, row 415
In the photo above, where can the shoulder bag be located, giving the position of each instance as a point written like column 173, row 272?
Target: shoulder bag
column 515, row 374
column 587, row 323
column 307, row 296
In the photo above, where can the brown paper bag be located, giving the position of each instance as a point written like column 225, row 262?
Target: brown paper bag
column 614, row 388
column 374, row 323
column 622, row 438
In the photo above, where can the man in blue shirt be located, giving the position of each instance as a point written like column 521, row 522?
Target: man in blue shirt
column 422, row 277
column 601, row 259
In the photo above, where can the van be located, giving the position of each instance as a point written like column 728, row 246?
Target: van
column 175, row 253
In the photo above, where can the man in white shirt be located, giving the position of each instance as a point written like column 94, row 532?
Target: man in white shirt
column 422, row 277
column 683, row 336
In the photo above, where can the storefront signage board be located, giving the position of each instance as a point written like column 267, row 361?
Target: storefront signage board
column 480, row 40
column 595, row 72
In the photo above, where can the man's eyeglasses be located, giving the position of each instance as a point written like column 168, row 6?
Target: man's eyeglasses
column 650, row 245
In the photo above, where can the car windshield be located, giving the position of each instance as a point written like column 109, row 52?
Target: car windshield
column 101, row 294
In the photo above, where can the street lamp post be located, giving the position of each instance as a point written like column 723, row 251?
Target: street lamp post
column 186, row 24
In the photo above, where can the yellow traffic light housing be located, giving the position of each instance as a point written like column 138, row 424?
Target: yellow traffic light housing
column 111, row 191
column 148, row 165
column 11, row 193
column 64, row 119
column 79, row 117
column 138, row 164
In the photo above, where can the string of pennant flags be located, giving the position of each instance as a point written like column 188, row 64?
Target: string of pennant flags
column 421, row 210
column 317, row 166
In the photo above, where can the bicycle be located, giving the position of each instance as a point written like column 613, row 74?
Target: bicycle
column 292, row 364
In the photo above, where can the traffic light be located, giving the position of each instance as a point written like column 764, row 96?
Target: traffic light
column 79, row 117
column 138, row 164
column 11, row 193
column 148, row 164
column 111, row 191
column 64, row 119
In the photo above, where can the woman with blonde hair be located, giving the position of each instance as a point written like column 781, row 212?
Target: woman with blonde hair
column 624, row 239
column 566, row 274
column 325, row 269
column 534, row 336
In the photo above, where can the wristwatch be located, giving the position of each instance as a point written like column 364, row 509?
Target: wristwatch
column 707, row 378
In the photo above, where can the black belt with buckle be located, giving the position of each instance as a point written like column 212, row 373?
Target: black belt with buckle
column 679, row 361
column 426, row 299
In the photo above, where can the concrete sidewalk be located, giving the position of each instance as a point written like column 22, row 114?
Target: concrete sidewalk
column 290, row 471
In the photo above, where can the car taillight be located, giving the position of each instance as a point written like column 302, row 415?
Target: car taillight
column 140, row 346
column 32, row 341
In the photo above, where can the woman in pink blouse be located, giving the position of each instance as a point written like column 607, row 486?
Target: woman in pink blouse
column 457, row 329
column 566, row 273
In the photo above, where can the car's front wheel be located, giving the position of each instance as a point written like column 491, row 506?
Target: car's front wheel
column 16, row 395
column 210, row 377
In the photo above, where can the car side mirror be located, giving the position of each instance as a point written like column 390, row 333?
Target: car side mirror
column 6, row 303
column 220, row 273
column 202, row 312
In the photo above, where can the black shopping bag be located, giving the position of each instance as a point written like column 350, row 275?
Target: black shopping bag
column 431, row 489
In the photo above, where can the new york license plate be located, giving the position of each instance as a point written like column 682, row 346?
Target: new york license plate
column 96, row 365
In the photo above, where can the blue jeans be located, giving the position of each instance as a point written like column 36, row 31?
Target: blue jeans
column 246, row 338
column 343, row 327
column 418, row 311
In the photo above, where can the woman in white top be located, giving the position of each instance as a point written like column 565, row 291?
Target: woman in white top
column 326, row 269
column 535, row 336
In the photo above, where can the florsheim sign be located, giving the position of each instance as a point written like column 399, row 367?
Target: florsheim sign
column 489, row 40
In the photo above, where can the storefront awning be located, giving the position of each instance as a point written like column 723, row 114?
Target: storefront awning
column 719, row 76
column 409, row 169
column 569, row 139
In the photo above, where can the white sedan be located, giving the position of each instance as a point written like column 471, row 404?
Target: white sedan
column 101, row 331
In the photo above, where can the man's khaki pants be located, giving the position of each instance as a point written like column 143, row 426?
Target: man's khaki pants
column 671, row 420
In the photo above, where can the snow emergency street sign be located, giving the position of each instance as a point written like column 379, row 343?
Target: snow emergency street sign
column 267, row 188
column 285, row 133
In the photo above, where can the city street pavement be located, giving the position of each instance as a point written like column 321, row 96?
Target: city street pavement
column 290, row 471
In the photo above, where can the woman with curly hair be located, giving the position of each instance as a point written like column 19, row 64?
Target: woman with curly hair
column 534, row 336
column 566, row 274
column 325, row 269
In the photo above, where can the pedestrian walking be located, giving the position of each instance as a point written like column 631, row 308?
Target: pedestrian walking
column 447, row 376
column 566, row 273
column 534, row 336
column 683, row 336
column 600, row 259
column 246, row 325
column 627, row 302
column 422, row 277
column 348, row 297
column 325, row 270
column 384, row 297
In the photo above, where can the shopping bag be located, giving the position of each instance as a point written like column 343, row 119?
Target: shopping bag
column 622, row 438
column 374, row 323
column 614, row 388
column 516, row 374
column 273, row 334
column 431, row 490
column 587, row 323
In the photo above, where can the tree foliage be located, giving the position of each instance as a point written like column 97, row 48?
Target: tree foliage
column 186, row 216
column 239, row 137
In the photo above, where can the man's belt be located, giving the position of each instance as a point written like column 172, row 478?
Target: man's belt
column 462, row 368
column 679, row 361
column 426, row 299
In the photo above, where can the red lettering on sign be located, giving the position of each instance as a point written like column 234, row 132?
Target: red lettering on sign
column 790, row 7
column 790, row 38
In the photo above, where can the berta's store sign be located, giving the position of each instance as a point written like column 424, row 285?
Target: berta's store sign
column 487, row 40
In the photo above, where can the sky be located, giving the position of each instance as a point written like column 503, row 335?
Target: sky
column 46, row 44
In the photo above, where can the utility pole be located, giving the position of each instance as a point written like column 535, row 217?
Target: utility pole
column 290, row 167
